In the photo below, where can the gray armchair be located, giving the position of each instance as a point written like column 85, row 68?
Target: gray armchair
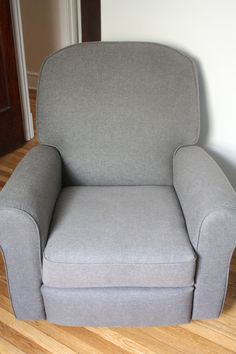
column 117, row 218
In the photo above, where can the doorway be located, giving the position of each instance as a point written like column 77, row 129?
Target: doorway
column 43, row 27
column 40, row 28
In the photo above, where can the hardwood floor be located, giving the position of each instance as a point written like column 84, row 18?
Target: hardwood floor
column 199, row 337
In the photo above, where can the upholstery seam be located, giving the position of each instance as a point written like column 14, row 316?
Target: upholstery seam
column 195, row 76
column 223, row 207
column 30, row 217
column 36, row 227
column 106, row 287
column 8, row 280
column 174, row 288
column 196, row 81
column 194, row 70
column 118, row 264
column 227, row 280
column 220, row 208
column 212, row 159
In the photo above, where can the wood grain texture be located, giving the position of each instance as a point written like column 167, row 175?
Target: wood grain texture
column 199, row 337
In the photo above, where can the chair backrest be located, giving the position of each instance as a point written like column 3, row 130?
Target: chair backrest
column 117, row 111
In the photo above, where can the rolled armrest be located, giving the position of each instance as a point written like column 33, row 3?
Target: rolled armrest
column 26, row 206
column 208, row 202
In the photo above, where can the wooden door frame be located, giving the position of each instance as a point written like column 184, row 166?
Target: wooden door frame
column 91, row 20
column 21, row 69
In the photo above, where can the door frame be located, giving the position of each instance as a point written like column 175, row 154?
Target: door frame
column 72, row 15
column 21, row 69
column 90, row 20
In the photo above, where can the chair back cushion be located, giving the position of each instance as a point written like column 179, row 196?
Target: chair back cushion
column 117, row 111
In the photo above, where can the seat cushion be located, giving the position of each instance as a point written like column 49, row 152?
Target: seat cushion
column 118, row 236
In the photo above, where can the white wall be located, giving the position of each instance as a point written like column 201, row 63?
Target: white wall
column 206, row 29
column 45, row 30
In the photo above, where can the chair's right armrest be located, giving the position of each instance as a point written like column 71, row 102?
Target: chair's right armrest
column 208, row 202
column 26, row 206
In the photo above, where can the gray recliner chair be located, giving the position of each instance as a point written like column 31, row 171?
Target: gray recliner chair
column 117, row 218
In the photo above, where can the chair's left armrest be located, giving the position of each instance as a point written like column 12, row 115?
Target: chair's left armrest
column 26, row 207
column 208, row 202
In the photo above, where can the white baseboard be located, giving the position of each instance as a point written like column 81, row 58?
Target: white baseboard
column 32, row 79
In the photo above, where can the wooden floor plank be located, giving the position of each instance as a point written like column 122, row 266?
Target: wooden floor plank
column 28, row 331
column 95, row 340
column 122, row 341
column 185, row 341
column 40, row 337
column 206, row 331
column 77, row 342
column 8, row 348
column 146, row 339
column 19, row 341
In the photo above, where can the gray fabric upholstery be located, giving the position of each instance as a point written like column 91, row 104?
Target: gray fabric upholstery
column 26, row 206
column 118, row 306
column 118, row 112
column 120, row 246
column 209, row 206
column 118, row 236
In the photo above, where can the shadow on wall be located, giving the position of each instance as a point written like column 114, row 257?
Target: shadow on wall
column 227, row 166
column 204, row 112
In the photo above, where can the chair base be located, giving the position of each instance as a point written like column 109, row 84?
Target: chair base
column 116, row 307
